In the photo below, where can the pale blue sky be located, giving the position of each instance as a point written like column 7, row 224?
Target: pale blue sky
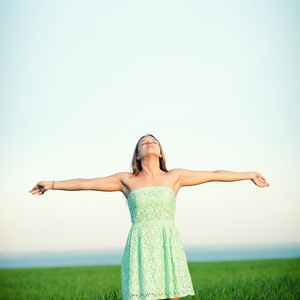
column 216, row 82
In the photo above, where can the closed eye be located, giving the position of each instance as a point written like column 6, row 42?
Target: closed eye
column 153, row 141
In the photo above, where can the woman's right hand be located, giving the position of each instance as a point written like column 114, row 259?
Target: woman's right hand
column 40, row 188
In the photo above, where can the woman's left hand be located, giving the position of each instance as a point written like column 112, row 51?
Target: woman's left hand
column 259, row 180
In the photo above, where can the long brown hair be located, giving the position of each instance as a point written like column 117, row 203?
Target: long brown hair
column 136, row 164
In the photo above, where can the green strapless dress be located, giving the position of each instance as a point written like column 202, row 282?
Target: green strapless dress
column 154, row 264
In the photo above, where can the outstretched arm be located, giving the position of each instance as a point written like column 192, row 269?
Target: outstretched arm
column 109, row 183
column 188, row 177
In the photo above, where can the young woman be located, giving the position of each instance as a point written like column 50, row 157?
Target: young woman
column 154, row 264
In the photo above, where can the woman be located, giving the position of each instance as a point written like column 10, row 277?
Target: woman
column 154, row 263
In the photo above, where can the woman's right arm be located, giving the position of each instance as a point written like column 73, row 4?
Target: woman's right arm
column 109, row 183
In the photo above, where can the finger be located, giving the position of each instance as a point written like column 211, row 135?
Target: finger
column 263, row 179
column 35, row 192
column 34, row 189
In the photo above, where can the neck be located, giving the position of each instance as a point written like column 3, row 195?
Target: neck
column 150, row 166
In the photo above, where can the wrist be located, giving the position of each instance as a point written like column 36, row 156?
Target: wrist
column 253, row 175
column 48, row 185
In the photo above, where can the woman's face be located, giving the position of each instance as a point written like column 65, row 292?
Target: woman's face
column 148, row 145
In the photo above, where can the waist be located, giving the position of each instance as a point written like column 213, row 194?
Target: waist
column 162, row 221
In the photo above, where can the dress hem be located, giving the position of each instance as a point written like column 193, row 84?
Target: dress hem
column 162, row 296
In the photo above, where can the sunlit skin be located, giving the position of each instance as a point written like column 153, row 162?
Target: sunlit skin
column 151, row 175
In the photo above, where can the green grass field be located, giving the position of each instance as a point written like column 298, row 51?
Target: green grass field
column 260, row 279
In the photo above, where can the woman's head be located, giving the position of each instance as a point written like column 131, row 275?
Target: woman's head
column 136, row 160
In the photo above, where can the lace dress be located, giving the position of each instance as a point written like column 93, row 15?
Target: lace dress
column 154, row 264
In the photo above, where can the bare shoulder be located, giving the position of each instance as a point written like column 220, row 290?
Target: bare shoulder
column 124, row 178
column 123, row 175
column 176, row 172
column 183, row 171
column 175, row 176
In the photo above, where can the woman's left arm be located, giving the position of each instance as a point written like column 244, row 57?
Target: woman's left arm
column 188, row 177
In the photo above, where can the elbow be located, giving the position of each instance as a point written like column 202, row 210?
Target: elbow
column 84, row 184
column 217, row 175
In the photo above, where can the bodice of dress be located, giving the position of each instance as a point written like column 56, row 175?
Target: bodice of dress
column 151, row 203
